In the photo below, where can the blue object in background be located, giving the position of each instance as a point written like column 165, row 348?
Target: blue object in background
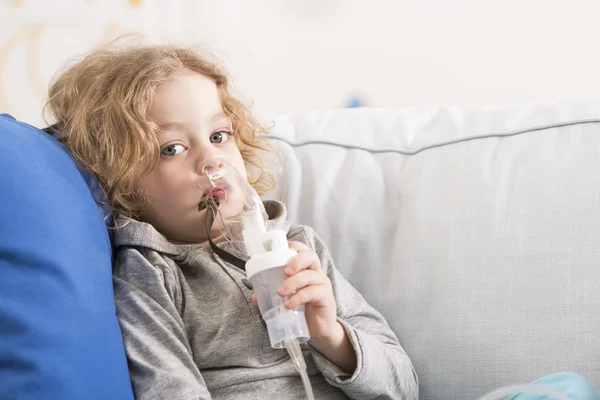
column 59, row 336
column 355, row 102
column 570, row 384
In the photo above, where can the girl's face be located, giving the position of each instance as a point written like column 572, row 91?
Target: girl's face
column 194, row 129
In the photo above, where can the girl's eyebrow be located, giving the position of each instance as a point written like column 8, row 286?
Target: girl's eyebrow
column 172, row 126
column 219, row 117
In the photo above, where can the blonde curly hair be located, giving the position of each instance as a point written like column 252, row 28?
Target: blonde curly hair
column 101, row 105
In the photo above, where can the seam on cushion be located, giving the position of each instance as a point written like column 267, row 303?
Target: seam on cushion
column 412, row 152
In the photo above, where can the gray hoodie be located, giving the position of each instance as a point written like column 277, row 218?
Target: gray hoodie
column 191, row 331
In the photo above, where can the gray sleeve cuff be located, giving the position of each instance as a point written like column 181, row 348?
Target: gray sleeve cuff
column 334, row 375
column 383, row 370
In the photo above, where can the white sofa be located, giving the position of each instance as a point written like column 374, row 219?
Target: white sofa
column 475, row 231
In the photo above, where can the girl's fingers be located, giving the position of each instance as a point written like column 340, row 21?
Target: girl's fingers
column 298, row 247
column 301, row 280
column 304, row 260
column 310, row 294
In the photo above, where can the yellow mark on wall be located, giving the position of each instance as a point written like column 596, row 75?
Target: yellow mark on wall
column 33, row 64
column 30, row 36
column 18, row 3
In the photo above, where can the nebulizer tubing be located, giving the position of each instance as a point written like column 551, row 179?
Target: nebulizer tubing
column 293, row 347
column 505, row 391
column 245, row 222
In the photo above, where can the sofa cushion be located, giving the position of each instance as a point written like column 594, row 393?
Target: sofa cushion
column 59, row 336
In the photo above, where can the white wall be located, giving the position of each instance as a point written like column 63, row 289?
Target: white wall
column 37, row 36
column 293, row 55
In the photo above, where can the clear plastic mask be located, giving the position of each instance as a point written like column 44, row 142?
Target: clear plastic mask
column 239, row 206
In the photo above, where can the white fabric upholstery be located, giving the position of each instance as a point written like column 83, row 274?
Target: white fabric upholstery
column 475, row 231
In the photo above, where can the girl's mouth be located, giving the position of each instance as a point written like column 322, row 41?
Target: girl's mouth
column 218, row 193
column 221, row 192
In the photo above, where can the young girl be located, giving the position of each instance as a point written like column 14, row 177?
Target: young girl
column 144, row 120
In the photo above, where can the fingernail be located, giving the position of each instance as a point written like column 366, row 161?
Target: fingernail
column 280, row 291
column 288, row 270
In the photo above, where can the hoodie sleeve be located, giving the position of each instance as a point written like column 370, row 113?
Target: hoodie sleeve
column 383, row 370
column 148, row 297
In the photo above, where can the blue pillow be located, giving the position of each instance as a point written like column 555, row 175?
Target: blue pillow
column 59, row 336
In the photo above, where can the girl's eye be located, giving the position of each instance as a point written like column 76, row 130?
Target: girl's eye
column 172, row 150
column 219, row 137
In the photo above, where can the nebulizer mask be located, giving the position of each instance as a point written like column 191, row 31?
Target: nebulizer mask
column 239, row 214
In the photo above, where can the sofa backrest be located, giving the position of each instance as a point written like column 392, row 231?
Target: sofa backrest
column 475, row 231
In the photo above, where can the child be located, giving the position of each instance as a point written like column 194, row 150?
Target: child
column 143, row 120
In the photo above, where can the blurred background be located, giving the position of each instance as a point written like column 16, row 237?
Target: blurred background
column 295, row 55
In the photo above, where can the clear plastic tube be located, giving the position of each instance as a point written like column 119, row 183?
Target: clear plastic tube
column 503, row 392
column 307, row 386
column 293, row 348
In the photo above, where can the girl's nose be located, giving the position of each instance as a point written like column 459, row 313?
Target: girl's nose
column 212, row 166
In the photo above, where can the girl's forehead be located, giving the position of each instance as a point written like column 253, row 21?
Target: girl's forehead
column 187, row 97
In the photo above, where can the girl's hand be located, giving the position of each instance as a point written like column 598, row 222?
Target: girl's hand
column 309, row 285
